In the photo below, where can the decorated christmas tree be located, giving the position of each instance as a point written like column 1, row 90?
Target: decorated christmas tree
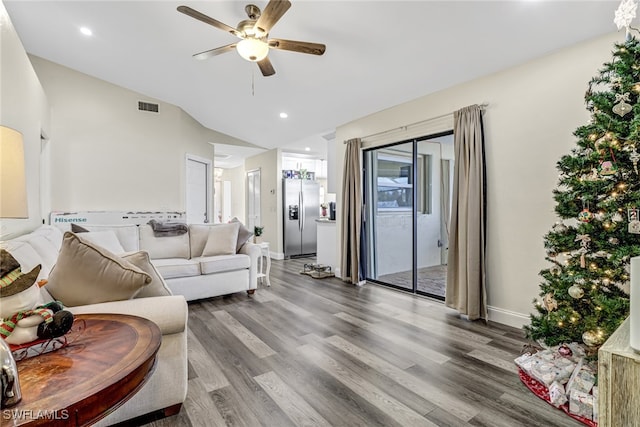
column 584, row 295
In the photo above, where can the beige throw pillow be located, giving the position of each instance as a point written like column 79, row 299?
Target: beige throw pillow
column 222, row 239
column 88, row 274
column 157, row 286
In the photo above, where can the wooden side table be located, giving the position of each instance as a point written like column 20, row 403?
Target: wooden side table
column 264, row 248
column 618, row 380
column 79, row 384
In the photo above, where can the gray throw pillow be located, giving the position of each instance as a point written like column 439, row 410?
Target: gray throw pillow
column 244, row 234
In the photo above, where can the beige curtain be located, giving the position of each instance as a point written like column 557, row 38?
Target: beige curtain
column 351, row 215
column 466, row 263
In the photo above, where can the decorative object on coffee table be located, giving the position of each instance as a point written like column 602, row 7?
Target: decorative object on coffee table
column 10, row 393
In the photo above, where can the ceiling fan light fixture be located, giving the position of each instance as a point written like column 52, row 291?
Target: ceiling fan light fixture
column 253, row 50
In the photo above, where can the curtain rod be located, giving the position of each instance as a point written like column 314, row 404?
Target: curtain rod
column 482, row 106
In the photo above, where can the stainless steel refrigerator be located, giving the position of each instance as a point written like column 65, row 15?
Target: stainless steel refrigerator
column 301, row 199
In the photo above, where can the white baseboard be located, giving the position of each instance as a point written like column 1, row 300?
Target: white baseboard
column 276, row 255
column 507, row 317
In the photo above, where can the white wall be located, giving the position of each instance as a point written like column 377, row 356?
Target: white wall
column 238, row 181
column 107, row 155
column 23, row 107
column 533, row 110
column 270, row 167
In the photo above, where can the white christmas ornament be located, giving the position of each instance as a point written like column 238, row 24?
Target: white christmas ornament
column 634, row 157
column 622, row 108
column 559, row 227
column 625, row 13
column 576, row 292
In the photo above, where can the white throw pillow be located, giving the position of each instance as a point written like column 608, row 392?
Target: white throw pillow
column 222, row 239
column 105, row 239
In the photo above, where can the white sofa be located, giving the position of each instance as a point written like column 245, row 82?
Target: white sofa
column 180, row 261
column 166, row 389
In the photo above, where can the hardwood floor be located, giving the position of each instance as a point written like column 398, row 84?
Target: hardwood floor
column 309, row 352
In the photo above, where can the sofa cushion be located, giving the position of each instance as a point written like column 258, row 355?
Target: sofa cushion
column 28, row 258
column 127, row 234
column 220, row 263
column 157, row 287
column 51, row 233
column 87, row 274
column 222, row 240
column 106, row 239
column 171, row 268
column 163, row 247
column 46, row 250
column 198, row 234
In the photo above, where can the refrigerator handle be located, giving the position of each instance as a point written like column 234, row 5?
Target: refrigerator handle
column 300, row 211
column 303, row 214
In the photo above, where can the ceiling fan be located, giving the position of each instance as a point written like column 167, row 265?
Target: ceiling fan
column 254, row 34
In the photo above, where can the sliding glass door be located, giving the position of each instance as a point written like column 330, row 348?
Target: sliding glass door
column 407, row 194
column 390, row 216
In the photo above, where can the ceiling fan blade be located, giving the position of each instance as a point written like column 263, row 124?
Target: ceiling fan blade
column 297, row 46
column 272, row 14
column 266, row 68
column 207, row 20
column 214, row 52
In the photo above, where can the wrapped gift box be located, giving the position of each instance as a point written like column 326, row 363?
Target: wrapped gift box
column 581, row 404
column 557, row 394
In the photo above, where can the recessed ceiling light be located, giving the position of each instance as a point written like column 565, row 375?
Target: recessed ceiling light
column 307, row 149
column 86, row 31
column 283, row 115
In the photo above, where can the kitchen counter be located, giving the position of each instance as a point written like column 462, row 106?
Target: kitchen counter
column 327, row 241
column 326, row 219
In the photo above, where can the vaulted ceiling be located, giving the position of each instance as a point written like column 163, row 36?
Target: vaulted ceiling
column 379, row 54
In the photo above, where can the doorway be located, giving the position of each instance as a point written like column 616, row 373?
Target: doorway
column 198, row 192
column 253, row 199
column 407, row 200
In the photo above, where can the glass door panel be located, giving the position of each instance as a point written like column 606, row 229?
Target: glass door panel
column 430, row 273
column 390, row 200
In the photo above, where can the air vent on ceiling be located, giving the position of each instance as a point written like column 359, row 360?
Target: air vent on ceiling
column 330, row 136
column 147, row 106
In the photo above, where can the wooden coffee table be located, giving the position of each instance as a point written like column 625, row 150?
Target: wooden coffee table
column 106, row 364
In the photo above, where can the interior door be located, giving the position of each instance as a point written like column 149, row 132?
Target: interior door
column 198, row 190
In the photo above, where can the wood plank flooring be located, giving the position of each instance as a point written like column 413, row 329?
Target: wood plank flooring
column 309, row 352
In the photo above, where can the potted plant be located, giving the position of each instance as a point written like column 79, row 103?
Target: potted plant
column 257, row 232
column 324, row 207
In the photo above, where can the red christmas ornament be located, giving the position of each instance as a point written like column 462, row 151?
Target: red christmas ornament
column 565, row 351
